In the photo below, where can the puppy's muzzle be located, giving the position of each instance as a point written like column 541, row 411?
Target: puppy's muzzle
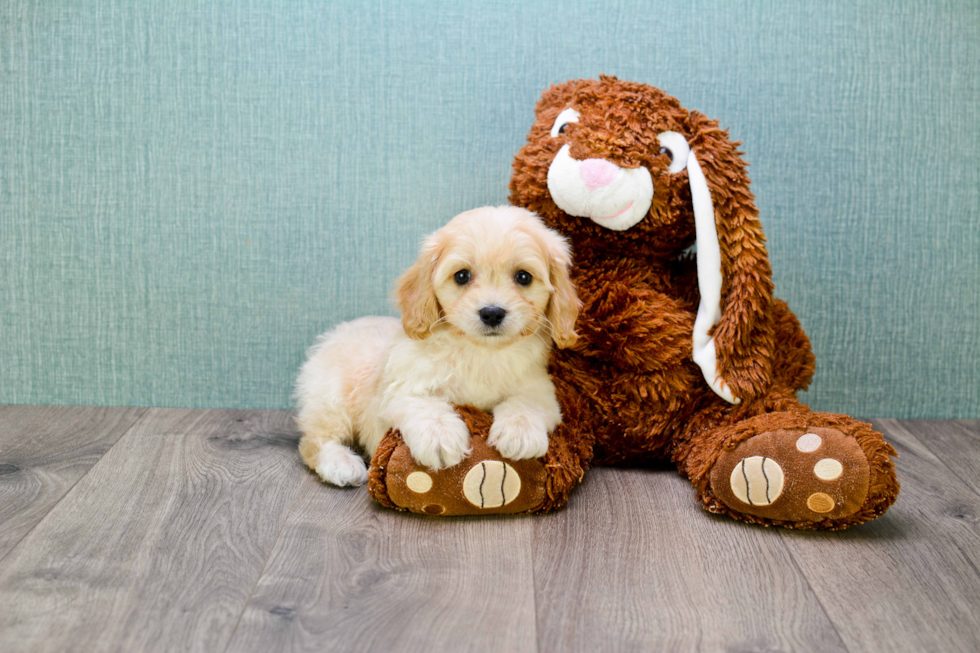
column 492, row 316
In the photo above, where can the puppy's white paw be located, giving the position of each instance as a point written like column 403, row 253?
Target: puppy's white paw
column 519, row 436
column 437, row 442
column 340, row 466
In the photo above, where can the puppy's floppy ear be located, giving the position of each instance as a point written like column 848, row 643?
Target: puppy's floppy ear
column 564, row 304
column 733, row 334
column 415, row 293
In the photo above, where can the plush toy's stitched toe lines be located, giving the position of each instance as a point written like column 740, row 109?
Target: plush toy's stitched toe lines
column 757, row 481
column 491, row 484
column 748, row 493
column 768, row 500
column 483, row 479
column 503, row 481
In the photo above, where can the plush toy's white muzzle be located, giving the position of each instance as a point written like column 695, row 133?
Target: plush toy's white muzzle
column 612, row 197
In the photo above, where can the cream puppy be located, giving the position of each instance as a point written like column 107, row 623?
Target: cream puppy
column 480, row 307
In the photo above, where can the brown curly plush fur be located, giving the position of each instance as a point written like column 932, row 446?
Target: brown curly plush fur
column 629, row 390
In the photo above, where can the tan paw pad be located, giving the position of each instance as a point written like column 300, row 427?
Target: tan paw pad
column 820, row 502
column 419, row 482
column 757, row 481
column 808, row 443
column 828, row 469
column 491, row 484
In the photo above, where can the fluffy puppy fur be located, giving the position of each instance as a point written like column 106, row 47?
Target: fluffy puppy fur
column 481, row 307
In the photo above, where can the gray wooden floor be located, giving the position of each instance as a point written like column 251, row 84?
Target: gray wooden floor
column 131, row 529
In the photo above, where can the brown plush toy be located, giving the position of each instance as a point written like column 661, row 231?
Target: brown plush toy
column 681, row 355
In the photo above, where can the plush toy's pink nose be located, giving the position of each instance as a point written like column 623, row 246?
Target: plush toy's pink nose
column 597, row 173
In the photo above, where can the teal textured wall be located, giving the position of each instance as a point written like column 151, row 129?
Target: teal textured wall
column 191, row 191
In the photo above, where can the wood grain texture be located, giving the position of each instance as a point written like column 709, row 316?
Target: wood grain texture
column 201, row 531
column 348, row 575
column 955, row 442
column 158, row 547
column 44, row 450
column 908, row 581
column 633, row 564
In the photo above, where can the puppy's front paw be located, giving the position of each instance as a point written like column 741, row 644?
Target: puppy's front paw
column 519, row 436
column 437, row 442
column 340, row 466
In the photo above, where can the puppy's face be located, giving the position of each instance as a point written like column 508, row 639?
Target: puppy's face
column 492, row 280
column 492, row 275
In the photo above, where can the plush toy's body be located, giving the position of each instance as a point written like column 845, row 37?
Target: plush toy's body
column 681, row 356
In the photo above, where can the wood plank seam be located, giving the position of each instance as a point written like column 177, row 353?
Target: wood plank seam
column 535, row 599
column 132, row 425
column 895, row 423
column 813, row 591
column 265, row 565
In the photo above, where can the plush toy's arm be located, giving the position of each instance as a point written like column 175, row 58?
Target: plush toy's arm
column 634, row 328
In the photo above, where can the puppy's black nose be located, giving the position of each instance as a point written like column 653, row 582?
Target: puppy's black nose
column 492, row 315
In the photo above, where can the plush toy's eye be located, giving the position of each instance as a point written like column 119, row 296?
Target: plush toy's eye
column 565, row 117
column 675, row 146
column 523, row 278
column 462, row 277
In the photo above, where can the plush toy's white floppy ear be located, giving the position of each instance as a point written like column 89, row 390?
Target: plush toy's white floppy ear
column 708, row 261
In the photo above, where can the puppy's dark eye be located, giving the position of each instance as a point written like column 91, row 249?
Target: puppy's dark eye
column 462, row 277
column 664, row 150
column 561, row 130
column 523, row 278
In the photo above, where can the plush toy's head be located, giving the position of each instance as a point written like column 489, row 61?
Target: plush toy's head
column 612, row 156
column 623, row 170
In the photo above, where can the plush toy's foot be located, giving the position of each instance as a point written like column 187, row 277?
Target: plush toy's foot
column 793, row 475
column 484, row 483
column 803, row 471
